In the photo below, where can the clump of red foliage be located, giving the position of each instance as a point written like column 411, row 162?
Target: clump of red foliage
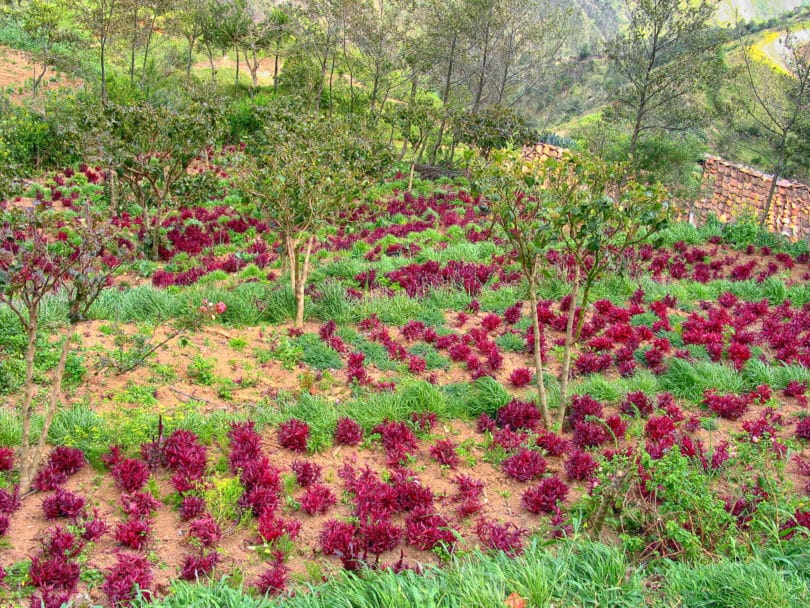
column 468, row 497
column 520, row 377
column 133, row 533
column 524, row 465
column 6, row 459
column 306, row 473
column 426, row 530
column 397, row 439
column 62, row 503
column 130, row 474
column 130, row 572
column 272, row 527
column 191, row 507
column 293, row 435
column 519, row 415
column 444, row 452
column 318, row 498
column 545, row 496
column 205, row 531
column 803, row 428
column 348, row 432
column 273, row 580
column 501, row 537
column 580, row 466
column 196, row 566
column 62, row 462
column 730, row 407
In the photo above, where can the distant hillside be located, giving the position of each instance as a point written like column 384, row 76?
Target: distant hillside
column 756, row 10
column 604, row 17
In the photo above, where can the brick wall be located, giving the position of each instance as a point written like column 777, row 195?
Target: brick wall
column 732, row 191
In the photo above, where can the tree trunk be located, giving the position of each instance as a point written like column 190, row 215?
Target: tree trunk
column 301, row 282
column 777, row 170
column 331, row 81
column 103, row 73
column 210, row 52
column 54, row 398
column 38, row 79
column 445, row 99
column 190, row 56
column 538, row 352
column 236, row 48
column 275, row 70
column 26, row 472
column 569, row 343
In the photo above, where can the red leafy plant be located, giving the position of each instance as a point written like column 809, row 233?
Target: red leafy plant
column 318, row 498
column 520, row 377
column 348, row 432
column 133, row 533
column 426, row 530
column 580, row 466
column 205, row 531
column 444, row 452
column 525, row 465
column 272, row 527
column 545, row 496
column 62, row 503
column 293, row 435
column 130, row 474
column 306, row 473
column 62, row 462
column 6, row 459
column 501, row 537
column 130, row 574
column 519, row 415
column 730, row 407
column 197, row 566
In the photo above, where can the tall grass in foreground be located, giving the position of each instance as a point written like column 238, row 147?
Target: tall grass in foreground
column 580, row 573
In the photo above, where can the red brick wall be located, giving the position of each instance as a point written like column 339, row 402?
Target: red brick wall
column 731, row 191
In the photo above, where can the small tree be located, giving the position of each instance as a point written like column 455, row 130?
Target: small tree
column 596, row 212
column 151, row 144
column 42, row 252
column 417, row 119
column 664, row 56
column 513, row 185
column 492, row 128
column 777, row 101
column 302, row 179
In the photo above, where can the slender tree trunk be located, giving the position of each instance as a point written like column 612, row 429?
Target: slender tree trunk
column 26, row 472
column 301, row 284
column 321, row 84
column 103, row 45
column 210, row 52
column 569, row 344
column 445, row 99
column 777, row 170
column 132, row 47
column 38, row 79
column 275, row 68
column 331, row 81
column 538, row 351
column 54, row 398
column 150, row 33
column 190, row 56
